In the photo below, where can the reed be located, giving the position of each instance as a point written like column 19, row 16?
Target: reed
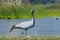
column 41, row 11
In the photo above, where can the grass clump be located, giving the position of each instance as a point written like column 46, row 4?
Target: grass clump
column 30, row 38
column 41, row 11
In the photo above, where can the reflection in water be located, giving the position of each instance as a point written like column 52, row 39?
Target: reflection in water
column 44, row 26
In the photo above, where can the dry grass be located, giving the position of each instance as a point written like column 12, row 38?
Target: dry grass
column 30, row 38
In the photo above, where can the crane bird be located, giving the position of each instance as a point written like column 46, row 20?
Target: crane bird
column 25, row 25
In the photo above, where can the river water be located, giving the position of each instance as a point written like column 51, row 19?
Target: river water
column 43, row 26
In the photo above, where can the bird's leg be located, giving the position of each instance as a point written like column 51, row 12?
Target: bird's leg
column 25, row 32
column 22, row 33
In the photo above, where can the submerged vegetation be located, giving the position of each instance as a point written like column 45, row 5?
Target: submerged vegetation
column 23, row 11
column 30, row 38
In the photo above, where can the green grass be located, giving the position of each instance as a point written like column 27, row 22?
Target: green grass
column 23, row 11
column 30, row 38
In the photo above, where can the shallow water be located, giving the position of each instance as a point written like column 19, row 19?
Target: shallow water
column 43, row 26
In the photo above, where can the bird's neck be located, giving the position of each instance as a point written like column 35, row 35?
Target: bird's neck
column 33, row 19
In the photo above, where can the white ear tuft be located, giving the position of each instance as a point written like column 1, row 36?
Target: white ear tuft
column 32, row 11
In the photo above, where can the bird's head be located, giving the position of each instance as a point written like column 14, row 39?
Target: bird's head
column 32, row 11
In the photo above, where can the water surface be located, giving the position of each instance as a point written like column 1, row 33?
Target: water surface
column 43, row 26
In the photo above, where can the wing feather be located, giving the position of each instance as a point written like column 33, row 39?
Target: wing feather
column 25, row 24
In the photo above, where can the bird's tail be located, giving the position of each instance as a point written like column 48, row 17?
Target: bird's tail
column 12, row 27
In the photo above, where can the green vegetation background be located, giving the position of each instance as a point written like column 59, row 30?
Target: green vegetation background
column 23, row 11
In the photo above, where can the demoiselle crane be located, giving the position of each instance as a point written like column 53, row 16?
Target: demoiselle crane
column 25, row 25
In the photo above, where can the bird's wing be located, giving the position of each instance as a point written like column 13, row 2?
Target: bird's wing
column 25, row 24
